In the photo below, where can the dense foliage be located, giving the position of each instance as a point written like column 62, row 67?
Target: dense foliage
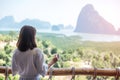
column 72, row 51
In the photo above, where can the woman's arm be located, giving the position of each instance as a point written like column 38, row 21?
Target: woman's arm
column 54, row 60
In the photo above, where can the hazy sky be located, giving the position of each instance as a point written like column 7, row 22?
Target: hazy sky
column 59, row 11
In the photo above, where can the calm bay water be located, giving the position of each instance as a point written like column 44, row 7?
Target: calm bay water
column 89, row 36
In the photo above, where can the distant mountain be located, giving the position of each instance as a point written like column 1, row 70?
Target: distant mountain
column 36, row 23
column 9, row 23
column 57, row 27
column 89, row 21
column 61, row 27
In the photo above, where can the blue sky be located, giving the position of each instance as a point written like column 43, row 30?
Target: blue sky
column 59, row 11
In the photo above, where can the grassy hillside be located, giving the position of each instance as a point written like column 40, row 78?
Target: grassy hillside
column 61, row 41
column 73, row 42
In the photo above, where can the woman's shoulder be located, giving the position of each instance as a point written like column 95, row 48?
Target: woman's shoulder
column 15, row 52
column 38, row 51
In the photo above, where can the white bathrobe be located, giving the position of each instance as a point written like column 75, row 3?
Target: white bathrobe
column 29, row 64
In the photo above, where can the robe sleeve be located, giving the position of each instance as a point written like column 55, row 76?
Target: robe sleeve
column 14, row 66
column 41, row 66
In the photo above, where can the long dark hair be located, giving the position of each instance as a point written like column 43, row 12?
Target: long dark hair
column 26, row 38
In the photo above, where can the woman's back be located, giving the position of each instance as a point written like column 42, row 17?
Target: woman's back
column 29, row 64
